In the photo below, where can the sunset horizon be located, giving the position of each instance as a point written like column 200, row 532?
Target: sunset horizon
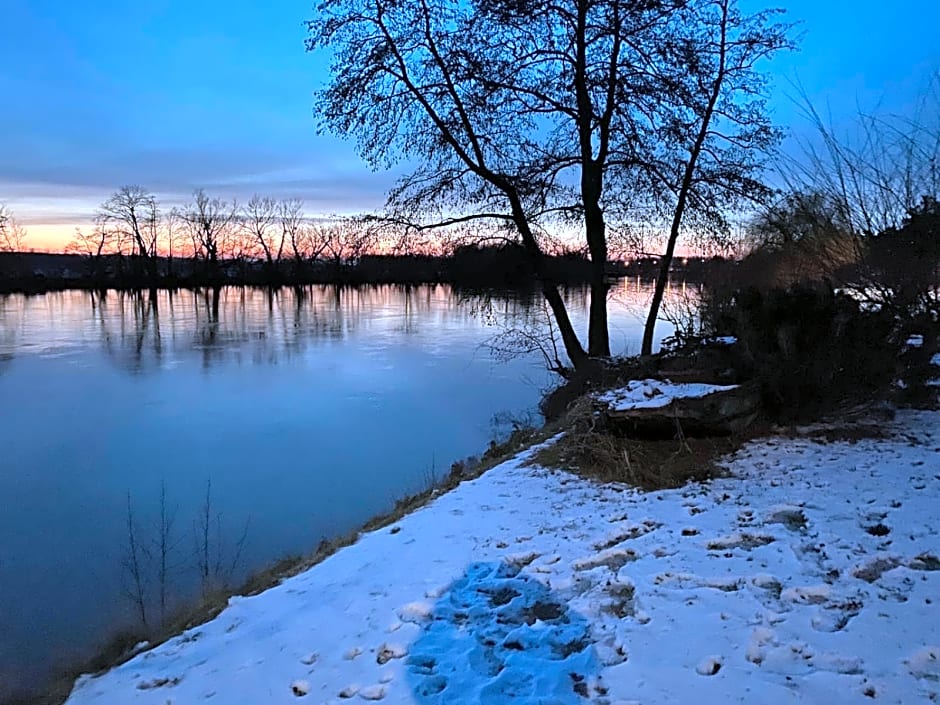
column 243, row 123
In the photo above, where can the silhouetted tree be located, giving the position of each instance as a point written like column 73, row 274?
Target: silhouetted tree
column 209, row 222
column 345, row 240
column 259, row 220
column 878, row 170
column 715, row 133
column 533, row 115
column 94, row 245
column 295, row 233
column 12, row 234
column 132, row 214
column 862, row 204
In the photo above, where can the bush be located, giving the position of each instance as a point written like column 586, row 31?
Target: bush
column 811, row 349
column 901, row 271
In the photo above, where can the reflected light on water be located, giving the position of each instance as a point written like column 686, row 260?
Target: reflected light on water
column 309, row 410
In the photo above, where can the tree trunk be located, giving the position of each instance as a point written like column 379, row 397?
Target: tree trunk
column 661, row 280
column 592, row 186
column 684, row 190
column 598, row 335
column 573, row 348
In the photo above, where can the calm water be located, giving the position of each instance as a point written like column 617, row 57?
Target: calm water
column 307, row 413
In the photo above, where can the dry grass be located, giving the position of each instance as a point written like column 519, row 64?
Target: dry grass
column 649, row 465
column 591, row 450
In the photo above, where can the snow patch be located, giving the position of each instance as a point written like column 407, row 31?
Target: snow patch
column 654, row 394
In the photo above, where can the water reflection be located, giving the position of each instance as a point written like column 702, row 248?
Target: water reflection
column 143, row 331
column 309, row 410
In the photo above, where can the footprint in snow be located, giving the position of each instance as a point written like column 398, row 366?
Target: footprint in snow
column 872, row 570
column 300, row 688
column 158, row 683
column 835, row 616
column 709, row 666
column 925, row 663
column 349, row 691
column 373, row 692
column 504, row 637
column 387, row 652
column 614, row 558
column 792, row 517
column 740, row 540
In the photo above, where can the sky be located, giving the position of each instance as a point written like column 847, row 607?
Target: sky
column 179, row 94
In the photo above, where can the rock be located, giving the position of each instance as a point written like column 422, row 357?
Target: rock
column 653, row 407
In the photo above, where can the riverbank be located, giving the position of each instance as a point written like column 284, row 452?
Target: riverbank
column 37, row 272
column 809, row 573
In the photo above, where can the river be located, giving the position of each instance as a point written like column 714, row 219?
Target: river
column 300, row 413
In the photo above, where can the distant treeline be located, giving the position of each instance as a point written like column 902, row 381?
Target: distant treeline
column 472, row 265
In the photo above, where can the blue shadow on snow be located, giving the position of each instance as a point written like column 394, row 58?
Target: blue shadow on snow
column 499, row 637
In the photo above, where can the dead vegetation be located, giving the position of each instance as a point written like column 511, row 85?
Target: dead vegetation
column 590, row 449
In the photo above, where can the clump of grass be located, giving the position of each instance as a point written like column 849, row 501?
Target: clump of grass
column 589, row 448
column 519, row 439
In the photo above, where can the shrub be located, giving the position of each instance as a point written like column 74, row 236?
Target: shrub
column 812, row 349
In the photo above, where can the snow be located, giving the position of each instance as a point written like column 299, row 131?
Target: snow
column 935, row 360
column 915, row 341
column 655, row 394
column 721, row 340
column 810, row 575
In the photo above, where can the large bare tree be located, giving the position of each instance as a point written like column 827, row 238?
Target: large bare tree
column 530, row 114
column 209, row 223
column 259, row 219
column 406, row 82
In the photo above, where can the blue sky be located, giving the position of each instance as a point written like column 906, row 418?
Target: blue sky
column 175, row 94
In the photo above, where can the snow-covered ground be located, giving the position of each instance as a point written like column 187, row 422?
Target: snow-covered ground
column 809, row 576
column 655, row 394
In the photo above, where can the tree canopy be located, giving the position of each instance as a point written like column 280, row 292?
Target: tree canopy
column 533, row 115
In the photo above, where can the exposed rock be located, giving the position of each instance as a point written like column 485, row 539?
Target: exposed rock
column 656, row 408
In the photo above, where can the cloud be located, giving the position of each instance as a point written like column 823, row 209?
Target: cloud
column 70, row 191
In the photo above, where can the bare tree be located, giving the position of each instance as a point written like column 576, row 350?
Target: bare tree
column 166, row 545
column 345, row 240
column 860, row 207
column 290, row 216
column 133, row 214
column 94, row 244
column 102, row 240
column 718, row 133
column 175, row 238
column 216, row 564
column 209, row 223
column 12, row 234
column 408, row 81
column 877, row 171
column 134, row 563
column 259, row 220
column 529, row 114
